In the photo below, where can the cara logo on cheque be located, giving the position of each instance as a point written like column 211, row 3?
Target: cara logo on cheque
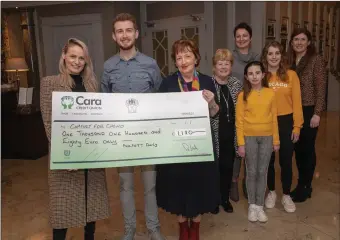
column 67, row 102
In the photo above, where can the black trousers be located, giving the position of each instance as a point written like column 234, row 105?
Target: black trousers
column 89, row 229
column 305, row 149
column 226, row 159
column 285, row 124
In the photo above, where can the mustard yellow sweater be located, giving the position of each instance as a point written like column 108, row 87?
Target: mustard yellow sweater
column 288, row 97
column 257, row 116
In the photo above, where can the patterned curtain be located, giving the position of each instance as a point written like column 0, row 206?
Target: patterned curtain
column 5, row 48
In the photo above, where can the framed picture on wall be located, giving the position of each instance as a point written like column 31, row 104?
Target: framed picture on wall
column 315, row 29
column 295, row 25
column 321, row 28
column 321, row 47
column 326, row 55
column 270, row 28
column 284, row 25
column 284, row 43
column 306, row 25
column 327, row 31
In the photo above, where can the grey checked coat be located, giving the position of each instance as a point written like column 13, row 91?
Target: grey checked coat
column 67, row 199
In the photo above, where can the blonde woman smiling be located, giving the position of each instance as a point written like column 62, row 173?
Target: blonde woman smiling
column 227, row 88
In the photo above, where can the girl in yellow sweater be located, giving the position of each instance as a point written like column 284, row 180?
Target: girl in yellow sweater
column 286, row 85
column 257, row 134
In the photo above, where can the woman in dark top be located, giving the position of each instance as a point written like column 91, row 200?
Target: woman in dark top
column 188, row 189
column 227, row 88
column 311, row 69
column 76, row 197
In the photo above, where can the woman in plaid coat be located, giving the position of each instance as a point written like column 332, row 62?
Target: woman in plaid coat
column 77, row 197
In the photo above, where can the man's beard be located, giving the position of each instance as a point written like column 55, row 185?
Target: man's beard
column 127, row 47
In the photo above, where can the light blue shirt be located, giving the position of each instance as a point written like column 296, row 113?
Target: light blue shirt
column 140, row 74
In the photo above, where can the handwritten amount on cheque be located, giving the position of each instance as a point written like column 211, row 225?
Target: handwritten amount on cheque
column 77, row 130
column 67, row 135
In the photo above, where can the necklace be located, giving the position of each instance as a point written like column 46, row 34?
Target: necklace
column 219, row 91
column 226, row 102
column 298, row 60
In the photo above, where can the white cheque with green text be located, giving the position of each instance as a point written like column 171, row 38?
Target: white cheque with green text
column 102, row 130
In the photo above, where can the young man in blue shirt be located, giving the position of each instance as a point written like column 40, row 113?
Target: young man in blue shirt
column 130, row 71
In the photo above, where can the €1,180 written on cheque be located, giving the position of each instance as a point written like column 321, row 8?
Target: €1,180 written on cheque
column 102, row 130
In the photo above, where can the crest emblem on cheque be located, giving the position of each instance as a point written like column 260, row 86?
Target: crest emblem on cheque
column 67, row 102
column 67, row 153
column 132, row 105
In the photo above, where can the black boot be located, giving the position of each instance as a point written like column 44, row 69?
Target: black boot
column 228, row 207
column 59, row 234
column 216, row 211
column 296, row 191
column 302, row 194
column 89, row 230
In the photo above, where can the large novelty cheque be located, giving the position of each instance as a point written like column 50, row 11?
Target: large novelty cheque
column 102, row 130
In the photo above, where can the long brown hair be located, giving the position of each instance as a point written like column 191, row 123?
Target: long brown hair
column 282, row 71
column 310, row 49
column 246, row 84
column 87, row 73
